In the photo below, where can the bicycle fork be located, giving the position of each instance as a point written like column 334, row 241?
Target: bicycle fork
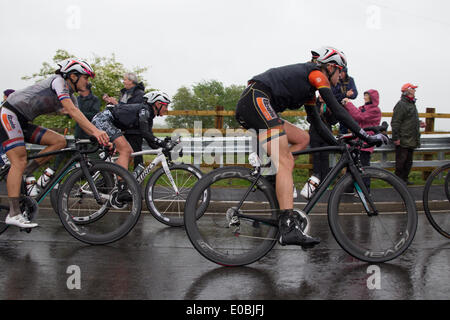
column 169, row 175
column 362, row 191
column 91, row 182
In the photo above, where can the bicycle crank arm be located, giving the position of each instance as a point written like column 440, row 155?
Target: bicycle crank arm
column 237, row 234
column 102, row 196
column 271, row 222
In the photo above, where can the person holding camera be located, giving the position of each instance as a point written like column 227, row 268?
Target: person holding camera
column 131, row 93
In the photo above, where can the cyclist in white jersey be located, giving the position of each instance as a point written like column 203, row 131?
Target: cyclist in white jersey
column 51, row 95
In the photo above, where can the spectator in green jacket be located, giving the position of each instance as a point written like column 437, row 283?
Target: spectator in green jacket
column 406, row 131
column 89, row 105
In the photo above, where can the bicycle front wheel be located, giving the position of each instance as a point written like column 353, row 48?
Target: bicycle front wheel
column 373, row 238
column 436, row 200
column 166, row 194
column 217, row 232
column 100, row 222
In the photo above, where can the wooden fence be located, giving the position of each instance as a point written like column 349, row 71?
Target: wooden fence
column 430, row 118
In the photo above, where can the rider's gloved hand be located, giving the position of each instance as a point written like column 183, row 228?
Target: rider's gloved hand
column 377, row 139
column 169, row 145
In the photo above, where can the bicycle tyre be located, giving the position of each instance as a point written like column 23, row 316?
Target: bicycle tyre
column 183, row 175
column 360, row 235
column 210, row 232
column 438, row 226
column 105, row 231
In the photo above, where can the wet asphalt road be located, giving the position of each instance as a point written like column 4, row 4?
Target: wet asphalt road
column 159, row 263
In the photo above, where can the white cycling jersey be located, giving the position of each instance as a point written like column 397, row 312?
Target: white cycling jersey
column 41, row 98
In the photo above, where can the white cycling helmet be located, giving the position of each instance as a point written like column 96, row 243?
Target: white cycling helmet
column 155, row 96
column 332, row 55
column 74, row 65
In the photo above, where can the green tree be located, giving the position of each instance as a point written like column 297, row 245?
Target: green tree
column 205, row 96
column 109, row 74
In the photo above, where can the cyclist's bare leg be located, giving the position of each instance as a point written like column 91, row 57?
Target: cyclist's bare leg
column 53, row 142
column 298, row 138
column 18, row 158
column 281, row 157
column 124, row 149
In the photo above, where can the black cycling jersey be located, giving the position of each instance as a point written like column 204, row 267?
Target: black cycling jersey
column 137, row 116
column 289, row 85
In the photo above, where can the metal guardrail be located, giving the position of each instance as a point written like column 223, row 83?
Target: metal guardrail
column 220, row 150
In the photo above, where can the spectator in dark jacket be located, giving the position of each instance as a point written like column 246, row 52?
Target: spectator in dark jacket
column 406, row 131
column 90, row 106
column 345, row 88
column 132, row 93
column 321, row 162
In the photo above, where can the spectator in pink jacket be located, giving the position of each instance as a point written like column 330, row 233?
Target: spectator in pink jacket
column 368, row 115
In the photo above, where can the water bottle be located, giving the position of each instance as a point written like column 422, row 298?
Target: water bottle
column 3, row 157
column 137, row 172
column 310, row 186
column 45, row 178
column 30, row 183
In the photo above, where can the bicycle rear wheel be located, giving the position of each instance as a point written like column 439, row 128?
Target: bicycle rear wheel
column 99, row 223
column 216, row 232
column 163, row 201
column 436, row 200
column 381, row 237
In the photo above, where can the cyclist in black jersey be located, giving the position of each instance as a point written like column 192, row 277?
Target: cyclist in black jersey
column 138, row 116
column 18, row 111
column 291, row 87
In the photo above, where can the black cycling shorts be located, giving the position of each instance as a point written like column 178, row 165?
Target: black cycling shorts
column 254, row 111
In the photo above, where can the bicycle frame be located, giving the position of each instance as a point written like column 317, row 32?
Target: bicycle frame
column 160, row 158
column 345, row 161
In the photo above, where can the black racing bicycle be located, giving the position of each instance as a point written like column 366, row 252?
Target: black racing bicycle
column 375, row 224
column 166, row 190
column 436, row 200
column 86, row 188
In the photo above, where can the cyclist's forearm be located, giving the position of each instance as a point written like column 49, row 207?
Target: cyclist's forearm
column 79, row 117
column 340, row 113
column 316, row 121
column 153, row 141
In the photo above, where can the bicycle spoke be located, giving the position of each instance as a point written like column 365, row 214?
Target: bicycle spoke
column 165, row 203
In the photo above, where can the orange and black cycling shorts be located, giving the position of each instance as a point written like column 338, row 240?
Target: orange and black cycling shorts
column 254, row 111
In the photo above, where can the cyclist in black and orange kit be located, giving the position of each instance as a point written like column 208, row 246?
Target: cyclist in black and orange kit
column 291, row 87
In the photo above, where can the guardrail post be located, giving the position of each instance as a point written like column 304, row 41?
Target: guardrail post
column 219, row 119
column 429, row 127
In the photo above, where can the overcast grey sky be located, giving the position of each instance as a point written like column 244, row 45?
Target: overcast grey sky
column 183, row 42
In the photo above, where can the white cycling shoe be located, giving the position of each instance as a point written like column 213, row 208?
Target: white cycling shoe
column 19, row 221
